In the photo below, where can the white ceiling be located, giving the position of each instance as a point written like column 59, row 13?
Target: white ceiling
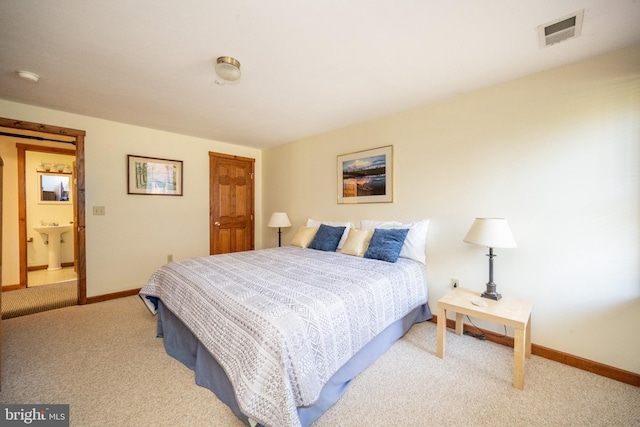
column 308, row 67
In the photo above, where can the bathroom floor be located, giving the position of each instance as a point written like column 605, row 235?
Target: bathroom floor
column 46, row 277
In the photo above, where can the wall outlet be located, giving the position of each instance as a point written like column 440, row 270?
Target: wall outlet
column 170, row 258
column 455, row 282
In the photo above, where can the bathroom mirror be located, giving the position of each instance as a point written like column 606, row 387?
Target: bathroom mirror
column 55, row 188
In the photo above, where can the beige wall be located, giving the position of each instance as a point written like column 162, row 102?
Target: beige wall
column 557, row 154
column 133, row 239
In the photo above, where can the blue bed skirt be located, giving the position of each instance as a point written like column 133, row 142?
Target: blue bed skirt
column 181, row 344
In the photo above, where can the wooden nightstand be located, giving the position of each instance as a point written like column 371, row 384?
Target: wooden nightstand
column 507, row 311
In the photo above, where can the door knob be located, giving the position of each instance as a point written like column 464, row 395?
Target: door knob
column 217, row 224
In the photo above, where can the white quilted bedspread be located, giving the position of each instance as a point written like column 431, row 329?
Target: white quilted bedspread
column 282, row 321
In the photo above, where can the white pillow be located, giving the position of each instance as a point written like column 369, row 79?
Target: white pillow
column 357, row 242
column 415, row 244
column 347, row 225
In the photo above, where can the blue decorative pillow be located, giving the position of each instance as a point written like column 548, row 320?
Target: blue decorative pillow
column 386, row 244
column 327, row 238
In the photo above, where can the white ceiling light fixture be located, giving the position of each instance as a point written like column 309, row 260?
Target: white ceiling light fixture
column 228, row 68
column 28, row 76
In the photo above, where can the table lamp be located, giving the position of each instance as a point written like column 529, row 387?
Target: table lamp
column 279, row 219
column 492, row 233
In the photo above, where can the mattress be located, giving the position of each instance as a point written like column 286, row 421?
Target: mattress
column 280, row 323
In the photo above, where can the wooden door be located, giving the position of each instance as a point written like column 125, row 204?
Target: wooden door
column 231, row 203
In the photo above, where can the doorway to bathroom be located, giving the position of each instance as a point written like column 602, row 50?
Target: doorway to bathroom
column 49, row 211
column 51, row 181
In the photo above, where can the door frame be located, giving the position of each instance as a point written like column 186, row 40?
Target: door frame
column 80, row 224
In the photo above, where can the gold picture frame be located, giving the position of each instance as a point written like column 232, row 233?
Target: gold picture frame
column 366, row 176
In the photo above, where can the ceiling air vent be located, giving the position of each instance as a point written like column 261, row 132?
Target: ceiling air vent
column 561, row 29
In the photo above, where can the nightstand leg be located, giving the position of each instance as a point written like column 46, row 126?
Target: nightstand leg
column 519, row 350
column 459, row 323
column 442, row 325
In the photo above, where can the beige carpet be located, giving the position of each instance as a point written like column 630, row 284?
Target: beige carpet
column 39, row 298
column 104, row 360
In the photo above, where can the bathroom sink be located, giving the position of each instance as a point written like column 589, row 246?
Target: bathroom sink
column 54, row 233
column 53, row 229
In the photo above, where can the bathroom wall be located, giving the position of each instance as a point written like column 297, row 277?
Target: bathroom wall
column 10, row 236
column 10, row 254
column 37, row 211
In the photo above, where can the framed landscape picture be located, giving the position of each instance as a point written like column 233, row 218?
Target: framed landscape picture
column 366, row 176
column 148, row 175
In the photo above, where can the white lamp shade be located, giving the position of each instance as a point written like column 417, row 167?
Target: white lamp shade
column 491, row 232
column 279, row 219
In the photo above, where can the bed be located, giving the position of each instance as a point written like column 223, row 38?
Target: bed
column 277, row 334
